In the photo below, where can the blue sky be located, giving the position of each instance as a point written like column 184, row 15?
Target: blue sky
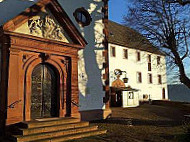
column 117, row 8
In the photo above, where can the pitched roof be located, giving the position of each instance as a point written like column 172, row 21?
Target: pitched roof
column 125, row 36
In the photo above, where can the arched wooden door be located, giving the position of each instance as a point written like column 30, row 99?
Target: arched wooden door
column 44, row 96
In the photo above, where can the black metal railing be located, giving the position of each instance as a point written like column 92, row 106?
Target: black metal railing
column 75, row 103
column 11, row 106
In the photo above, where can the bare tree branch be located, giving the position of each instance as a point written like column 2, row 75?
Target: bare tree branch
column 181, row 2
column 167, row 24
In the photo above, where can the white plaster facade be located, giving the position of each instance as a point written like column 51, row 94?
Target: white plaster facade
column 90, row 68
column 132, row 67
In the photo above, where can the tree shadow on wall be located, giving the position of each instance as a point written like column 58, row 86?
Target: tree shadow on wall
column 93, row 97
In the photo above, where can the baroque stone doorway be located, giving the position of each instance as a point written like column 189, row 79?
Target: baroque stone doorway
column 44, row 96
column 23, row 50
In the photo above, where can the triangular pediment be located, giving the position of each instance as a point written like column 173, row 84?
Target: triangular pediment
column 44, row 25
column 46, row 19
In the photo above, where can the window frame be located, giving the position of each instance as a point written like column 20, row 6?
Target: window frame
column 150, row 78
column 159, row 79
column 139, row 78
column 113, row 54
column 138, row 56
column 125, row 53
column 158, row 60
column 131, row 95
column 149, row 58
column 149, row 67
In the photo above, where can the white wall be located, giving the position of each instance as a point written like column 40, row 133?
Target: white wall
column 132, row 66
column 90, row 59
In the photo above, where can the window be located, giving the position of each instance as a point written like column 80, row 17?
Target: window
column 149, row 78
column 149, row 58
column 113, row 52
column 138, row 56
column 145, row 96
column 125, row 53
column 139, row 77
column 158, row 60
column 82, row 16
column 149, row 62
column 131, row 95
column 149, row 67
column 159, row 79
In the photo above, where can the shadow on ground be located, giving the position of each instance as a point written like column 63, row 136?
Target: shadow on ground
column 139, row 122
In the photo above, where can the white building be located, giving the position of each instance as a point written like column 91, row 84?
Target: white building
column 144, row 64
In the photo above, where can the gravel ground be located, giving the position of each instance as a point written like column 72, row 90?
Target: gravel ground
column 146, row 123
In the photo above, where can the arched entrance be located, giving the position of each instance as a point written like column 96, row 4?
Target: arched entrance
column 44, row 92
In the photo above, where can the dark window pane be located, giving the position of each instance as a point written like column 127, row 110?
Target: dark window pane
column 149, row 58
column 139, row 77
column 113, row 51
column 158, row 60
column 138, row 56
column 150, row 78
column 159, row 79
column 149, row 67
column 125, row 51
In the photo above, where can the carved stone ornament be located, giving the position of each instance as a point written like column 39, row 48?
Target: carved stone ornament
column 46, row 27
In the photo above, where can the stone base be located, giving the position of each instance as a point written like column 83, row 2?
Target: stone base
column 76, row 115
column 99, row 114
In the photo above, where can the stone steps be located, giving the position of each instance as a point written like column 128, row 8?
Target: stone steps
column 47, row 122
column 74, row 136
column 31, row 131
column 60, row 129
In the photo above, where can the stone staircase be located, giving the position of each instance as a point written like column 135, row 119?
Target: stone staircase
column 54, row 130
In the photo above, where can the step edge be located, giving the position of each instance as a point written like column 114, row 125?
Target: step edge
column 74, row 126
column 97, row 132
column 61, row 119
column 24, row 129
column 37, row 125
column 20, row 136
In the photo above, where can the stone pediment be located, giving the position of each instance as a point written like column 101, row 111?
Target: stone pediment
column 46, row 19
column 44, row 25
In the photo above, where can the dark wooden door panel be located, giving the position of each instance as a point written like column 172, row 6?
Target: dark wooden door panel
column 43, row 98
